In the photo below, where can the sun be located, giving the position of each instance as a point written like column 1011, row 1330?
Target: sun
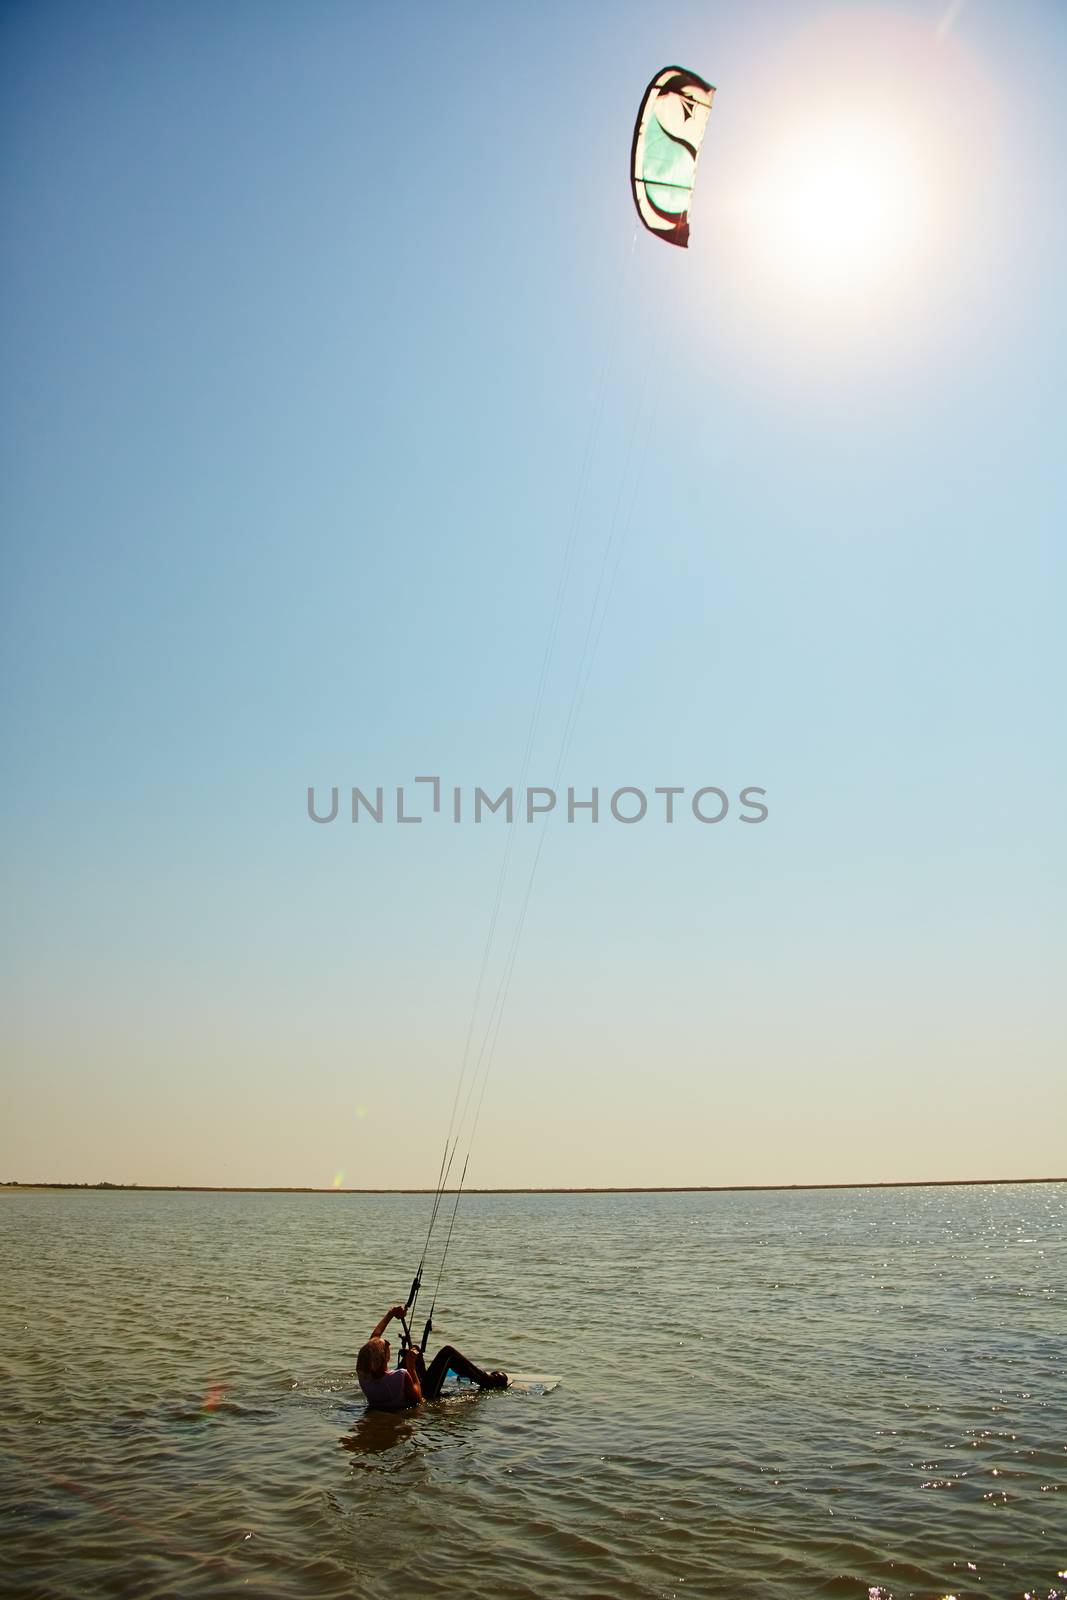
column 851, row 205
column 840, row 208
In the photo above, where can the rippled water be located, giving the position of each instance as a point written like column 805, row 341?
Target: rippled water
column 774, row 1394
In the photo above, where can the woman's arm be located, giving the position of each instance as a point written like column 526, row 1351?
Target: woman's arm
column 414, row 1387
column 394, row 1311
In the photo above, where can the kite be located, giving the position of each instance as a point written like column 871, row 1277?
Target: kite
column 668, row 134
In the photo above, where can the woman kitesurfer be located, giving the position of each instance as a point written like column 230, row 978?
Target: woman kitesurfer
column 412, row 1382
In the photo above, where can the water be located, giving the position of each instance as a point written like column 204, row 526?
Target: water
column 777, row 1395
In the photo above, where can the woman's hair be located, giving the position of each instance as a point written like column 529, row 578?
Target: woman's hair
column 373, row 1358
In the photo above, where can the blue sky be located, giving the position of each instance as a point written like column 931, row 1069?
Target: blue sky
column 325, row 326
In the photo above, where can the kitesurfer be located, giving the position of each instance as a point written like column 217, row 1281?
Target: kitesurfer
column 413, row 1381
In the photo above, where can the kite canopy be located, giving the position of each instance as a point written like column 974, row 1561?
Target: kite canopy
column 668, row 134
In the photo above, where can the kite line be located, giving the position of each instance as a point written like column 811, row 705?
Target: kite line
column 663, row 162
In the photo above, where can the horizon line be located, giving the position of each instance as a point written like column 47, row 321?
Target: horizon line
column 672, row 1188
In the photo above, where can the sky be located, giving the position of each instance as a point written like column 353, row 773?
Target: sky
column 352, row 431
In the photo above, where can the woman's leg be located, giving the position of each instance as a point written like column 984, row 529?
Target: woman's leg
column 448, row 1358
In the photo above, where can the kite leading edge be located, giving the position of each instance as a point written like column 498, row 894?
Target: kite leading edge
column 668, row 134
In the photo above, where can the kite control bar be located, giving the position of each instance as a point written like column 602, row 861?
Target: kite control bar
column 413, row 1294
column 407, row 1343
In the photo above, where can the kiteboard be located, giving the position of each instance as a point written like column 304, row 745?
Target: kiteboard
column 518, row 1383
column 532, row 1382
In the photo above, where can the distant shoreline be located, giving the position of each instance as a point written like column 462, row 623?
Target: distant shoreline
column 682, row 1188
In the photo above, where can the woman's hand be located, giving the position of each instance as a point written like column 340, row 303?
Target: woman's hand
column 390, row 1315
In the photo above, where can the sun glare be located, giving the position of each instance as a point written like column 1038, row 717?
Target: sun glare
column 841, row 208
column 851, row 211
